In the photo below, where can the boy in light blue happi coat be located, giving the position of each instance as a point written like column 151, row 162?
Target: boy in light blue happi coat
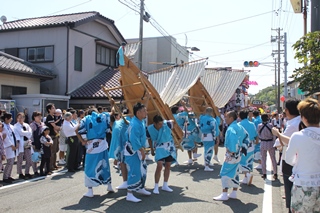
column 161, row 141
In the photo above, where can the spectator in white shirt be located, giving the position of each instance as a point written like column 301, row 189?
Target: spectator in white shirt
column 303, row 154
column 72, row 140
column 292, row 126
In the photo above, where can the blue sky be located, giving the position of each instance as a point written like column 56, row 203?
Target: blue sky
column 228, row 43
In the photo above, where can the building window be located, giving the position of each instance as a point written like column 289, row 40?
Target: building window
column 36, row 54
column 105, row 55
column 7, row 91
column 77, row 58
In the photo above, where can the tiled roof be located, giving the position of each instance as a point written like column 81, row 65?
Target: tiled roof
column 92, row 88
column 14, row 65
column 51, row 21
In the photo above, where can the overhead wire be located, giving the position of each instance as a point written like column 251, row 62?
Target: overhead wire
column 70, row 7
column 226, row 53
column 217, row 25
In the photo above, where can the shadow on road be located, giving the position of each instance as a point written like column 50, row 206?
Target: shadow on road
column 252, row 189
column 196, row 171
column 63, row 176
column 237, row 205
column 116, row 202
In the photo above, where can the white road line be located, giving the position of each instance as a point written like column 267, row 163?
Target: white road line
column 267, row 196
column 33, row 179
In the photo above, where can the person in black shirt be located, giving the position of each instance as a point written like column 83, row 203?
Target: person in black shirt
column 54, row 128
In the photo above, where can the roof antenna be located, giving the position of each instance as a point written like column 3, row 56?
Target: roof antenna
column 3, row 19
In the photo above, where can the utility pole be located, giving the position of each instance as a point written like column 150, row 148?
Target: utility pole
column 279, row 58
column 275, row 82
column 285, row 66
column 305, row 16
column 141, row 32
column 315, row 18
column 278, row 38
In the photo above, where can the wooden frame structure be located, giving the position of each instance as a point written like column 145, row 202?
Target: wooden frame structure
column 135, row 86
column 200, row 99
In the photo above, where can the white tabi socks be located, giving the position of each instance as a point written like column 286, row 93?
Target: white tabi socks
column 233, row 194
column 166, row 188
column 143, row 191
column 130, row 197
column 208, row 169
column 216, row 159
column 222, row 197
column 124, row 185
column 196, row 155
column 109, row 188
column 89, row 192
column 156, row 189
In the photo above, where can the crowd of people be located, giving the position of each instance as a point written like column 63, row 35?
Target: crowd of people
column 88, row 138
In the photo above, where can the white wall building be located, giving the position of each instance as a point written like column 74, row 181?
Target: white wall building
column 158, row 50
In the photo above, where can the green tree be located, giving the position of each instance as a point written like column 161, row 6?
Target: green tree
column 308, row 53
column 267, row 95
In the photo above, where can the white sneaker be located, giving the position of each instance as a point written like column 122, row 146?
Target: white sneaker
column 258, row 166
column 156, row 190
column 196, row 155
column 175, row 164
column 167, row 189
column 148, row 158
column 208, row 169
column 190, row 161
column 216, row 159
column 233, row 195
column 62, row 162
column 222, row 197
column 124, row 185
column 89, row 193
column 249, row 178
column 109, row 188
column 244, row 180
column 143, row 192
column 130, row 197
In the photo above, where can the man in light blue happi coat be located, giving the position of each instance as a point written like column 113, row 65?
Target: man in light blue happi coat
column 161, row 142
column 135, row 155
column 97, row 168
column 187, row 122
column 236, row 144
column 246, row 163
column 118, row 140
column 257, row 155
column 208, row 127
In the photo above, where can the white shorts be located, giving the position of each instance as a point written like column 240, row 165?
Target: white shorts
column 63, row 148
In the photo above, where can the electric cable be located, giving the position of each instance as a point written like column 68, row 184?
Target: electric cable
column 229, row 22
column 70, row 7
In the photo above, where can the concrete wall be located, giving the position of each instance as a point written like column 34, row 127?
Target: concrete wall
column 159, row 49
column 32, row 84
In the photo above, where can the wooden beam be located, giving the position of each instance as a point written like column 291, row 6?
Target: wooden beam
column 128, row 101
column 194, row 97
column 120, row 87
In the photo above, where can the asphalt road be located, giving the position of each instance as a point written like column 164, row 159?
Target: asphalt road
column 193, row 192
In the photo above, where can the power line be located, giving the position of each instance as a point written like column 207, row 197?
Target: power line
column 70, row 7
column 226, row 53
column 123, row 16
column 229, row 22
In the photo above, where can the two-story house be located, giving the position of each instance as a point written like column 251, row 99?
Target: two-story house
column 76, row 47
